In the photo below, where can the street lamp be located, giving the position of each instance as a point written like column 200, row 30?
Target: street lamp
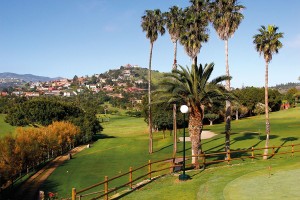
column 184, row 109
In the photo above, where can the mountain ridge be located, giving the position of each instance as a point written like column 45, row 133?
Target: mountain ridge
column 27, row 77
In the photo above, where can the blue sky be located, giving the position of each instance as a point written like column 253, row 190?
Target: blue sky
column 84, row 37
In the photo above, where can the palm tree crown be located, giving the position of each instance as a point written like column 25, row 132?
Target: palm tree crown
column 152, row 24
column 173, row 20
column 226, row 17
column 267, row 41
column 195, row 30
column 192, row 87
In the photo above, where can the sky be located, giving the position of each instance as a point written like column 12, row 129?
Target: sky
column 63, row 38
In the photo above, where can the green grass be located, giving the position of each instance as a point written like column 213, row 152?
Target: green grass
column 126, row 144
column 248, row 180
column 5, row 127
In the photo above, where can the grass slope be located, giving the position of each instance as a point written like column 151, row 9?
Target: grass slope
column 5, row 127
column 125, row 144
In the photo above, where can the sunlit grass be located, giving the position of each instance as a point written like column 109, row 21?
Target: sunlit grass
column 125, row 144
column 5, row 128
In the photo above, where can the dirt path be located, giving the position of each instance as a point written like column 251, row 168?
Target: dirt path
column 29, row 189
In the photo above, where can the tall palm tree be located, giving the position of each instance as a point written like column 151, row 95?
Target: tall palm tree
column 195, row 30
column 267, row 42
column 174, row 20
column 152, row 24
column 226, row 17
column 191, row 87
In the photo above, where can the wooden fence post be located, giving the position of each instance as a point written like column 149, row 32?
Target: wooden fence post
column 172, row 165
column 130, row 177
column 149, row 169
column 203, row 159
column 73, row 193
column 252, row 153
column 106, row 187
column 293, row 150
column 228, row 156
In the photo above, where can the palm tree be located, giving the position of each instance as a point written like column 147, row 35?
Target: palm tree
column 173, row 20
column 193, row 89
column 267, row 43
column 152, row 24
column 226, row 17
column 195, row 29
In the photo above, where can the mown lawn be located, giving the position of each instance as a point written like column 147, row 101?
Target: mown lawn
column 124, row 143
column 248, row 180
column 5, row 128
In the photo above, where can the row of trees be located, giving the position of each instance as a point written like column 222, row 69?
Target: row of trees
column 189, row 26
column 44, row 111
column 29, row 147
column 247, row 102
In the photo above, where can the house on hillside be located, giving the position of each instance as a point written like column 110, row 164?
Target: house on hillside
column 133, row 89
column 31, row 94
column 3, row 94
column 108, row 88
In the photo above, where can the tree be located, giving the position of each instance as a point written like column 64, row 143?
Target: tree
column 194, row 31
column 290, row 95
column 152, row 24
column 249, row 97
column 174, row 23
column 226, row 17
column 267, row 42
column 191, row 87
column 45, row 111
column 211, row 117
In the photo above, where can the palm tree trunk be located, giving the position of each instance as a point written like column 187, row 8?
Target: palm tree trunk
column 267, row 114
column 174, row 129
column 195, row 130
column 174, row 105
column 149, row 101
column 195, row 61
column 175, row 56
column 228, row 104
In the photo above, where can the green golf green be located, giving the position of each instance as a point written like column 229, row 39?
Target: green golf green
column 271, row 183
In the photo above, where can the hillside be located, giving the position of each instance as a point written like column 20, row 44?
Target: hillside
column 8, row 79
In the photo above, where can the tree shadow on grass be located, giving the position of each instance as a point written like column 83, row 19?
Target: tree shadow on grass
column 243, row 153
column 101, row 136
column 49, row 186
column 285, row 140
column 163, row 148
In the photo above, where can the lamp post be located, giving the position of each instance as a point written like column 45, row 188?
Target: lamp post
column 184, row 109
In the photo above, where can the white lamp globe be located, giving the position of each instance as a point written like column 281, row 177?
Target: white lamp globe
column 184, row 109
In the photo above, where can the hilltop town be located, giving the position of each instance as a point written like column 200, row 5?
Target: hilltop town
column 128, row 78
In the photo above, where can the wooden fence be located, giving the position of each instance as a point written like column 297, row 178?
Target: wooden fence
column 167, row 166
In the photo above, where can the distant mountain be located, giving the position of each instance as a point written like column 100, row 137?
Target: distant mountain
column 27, row 77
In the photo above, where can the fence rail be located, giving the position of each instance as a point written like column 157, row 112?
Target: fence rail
column 204, row 160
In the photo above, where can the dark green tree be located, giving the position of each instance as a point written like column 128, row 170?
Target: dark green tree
column 191, row 87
